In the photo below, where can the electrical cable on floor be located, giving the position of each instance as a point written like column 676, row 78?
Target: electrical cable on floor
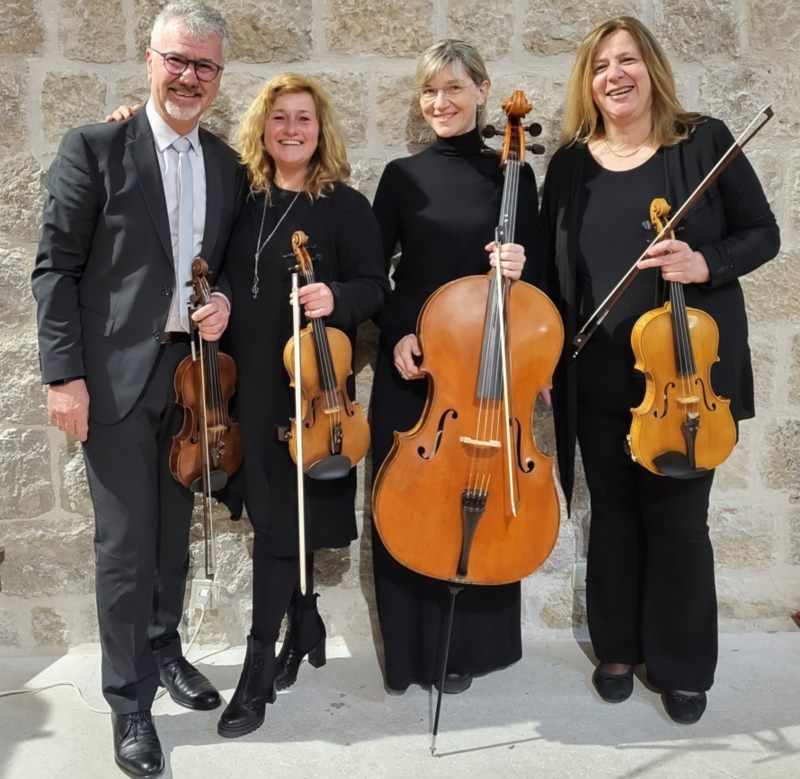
column 68, row 683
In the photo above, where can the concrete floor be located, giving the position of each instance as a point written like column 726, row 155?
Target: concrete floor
column 539, row 718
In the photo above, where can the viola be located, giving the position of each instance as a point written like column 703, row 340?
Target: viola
column 466, row 496
column 334, row 428
column 682, row 428
column 207, row 450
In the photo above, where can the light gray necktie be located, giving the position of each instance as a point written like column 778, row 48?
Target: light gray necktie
column 185, row 228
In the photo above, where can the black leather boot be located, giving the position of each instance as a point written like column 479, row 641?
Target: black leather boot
column 256, row 688
column 305, row 635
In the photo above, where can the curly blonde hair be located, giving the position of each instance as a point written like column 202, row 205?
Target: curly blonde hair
column 329, row 162
column 583, row 122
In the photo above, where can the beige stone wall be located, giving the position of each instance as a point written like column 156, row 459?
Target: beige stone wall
column 66, row 62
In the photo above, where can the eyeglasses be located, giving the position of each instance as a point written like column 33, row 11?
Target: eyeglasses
column 176, row 64
column 429, row 94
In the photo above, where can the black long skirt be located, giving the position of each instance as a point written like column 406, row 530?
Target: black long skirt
column 412, row 608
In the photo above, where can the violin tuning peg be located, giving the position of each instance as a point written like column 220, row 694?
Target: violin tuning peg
column 536, row 148
column 489, row 131
column 534, row 129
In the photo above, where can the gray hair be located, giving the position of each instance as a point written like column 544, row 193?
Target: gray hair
column 200, row 20
column 451, row 51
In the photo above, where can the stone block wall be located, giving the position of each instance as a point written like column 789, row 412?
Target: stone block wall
column 66, row 62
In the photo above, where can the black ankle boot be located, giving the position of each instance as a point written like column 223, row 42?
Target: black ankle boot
column 305, row 635
column 256, row 688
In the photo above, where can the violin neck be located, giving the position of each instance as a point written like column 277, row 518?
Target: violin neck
column 327, row 374
column 684, row 355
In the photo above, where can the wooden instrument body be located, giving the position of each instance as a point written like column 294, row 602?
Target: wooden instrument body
column 417, row 507
column 656, row 421
column 224, row 439
column 325, row 406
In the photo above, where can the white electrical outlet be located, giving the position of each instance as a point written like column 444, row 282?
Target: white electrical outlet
column 579, row 576
column 204, row 594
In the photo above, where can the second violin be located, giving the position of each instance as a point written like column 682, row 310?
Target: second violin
column 335, row 430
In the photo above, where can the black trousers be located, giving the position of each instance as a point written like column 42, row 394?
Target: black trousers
column 142, row 519
column 650, row 589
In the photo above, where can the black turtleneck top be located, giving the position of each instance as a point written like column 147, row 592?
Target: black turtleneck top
column 441, row 207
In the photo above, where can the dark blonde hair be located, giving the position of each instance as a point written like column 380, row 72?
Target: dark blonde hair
column 583, row 121
column 451, row 51
column 329, row 162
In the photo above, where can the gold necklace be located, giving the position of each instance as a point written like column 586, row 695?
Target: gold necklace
column 627, row 154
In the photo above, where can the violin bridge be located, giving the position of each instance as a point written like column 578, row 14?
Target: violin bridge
column 689, row 400
column 332, row 410
column 465, row 439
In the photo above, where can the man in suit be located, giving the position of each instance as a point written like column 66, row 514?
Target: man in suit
column 129, row 205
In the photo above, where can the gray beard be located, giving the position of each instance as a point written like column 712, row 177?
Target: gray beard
column 181, row 114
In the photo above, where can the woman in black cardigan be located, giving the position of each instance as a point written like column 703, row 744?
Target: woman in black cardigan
column 650, row 571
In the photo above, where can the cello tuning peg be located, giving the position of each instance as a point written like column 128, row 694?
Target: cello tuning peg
column 534, row 129
column 536, row 148
column 489, row 131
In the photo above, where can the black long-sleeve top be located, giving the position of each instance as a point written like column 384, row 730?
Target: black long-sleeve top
column 732, row 226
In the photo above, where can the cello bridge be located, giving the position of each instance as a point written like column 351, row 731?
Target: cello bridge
column 465, row 439
column 332, row 410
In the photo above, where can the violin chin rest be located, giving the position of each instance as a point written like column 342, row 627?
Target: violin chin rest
column 217, row 478
column 676, row 466
column 337, row 466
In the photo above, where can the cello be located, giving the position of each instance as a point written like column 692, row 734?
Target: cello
column 490, row 345
column 207, row 450
column 681, row 428
column 490, row 513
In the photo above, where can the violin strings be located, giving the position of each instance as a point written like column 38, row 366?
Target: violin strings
column 325, row 364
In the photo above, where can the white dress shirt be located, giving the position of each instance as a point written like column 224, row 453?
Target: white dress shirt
column 164, row 136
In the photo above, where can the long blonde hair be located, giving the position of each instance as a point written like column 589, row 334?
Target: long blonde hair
column 329, row 162
column 583, row 122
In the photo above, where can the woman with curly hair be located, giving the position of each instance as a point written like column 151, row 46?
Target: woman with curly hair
column 296, row 160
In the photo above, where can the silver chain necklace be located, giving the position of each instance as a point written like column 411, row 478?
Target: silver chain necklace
column 260, row 246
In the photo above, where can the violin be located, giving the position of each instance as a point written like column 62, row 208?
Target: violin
column 681, row 428
column 334, row 428
column 207, row 450
column 466, row 496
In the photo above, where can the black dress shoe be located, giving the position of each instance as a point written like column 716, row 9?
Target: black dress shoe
column 305, row 636
column 186, row 685
column 256, row 688
column 613, row 688
column 137, row 750
column 455, row 683
column 684, row 709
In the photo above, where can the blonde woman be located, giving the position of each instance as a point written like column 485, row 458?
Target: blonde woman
column 440, row 207
column 295, row 157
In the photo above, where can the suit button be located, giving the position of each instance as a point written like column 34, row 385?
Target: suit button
column 166, row 291
column 156, row 335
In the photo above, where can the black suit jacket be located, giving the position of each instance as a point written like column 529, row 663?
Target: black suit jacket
column 732, row 225
column 104, row 275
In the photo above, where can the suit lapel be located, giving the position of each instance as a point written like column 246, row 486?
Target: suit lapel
column 213, row 198
column 141, row 147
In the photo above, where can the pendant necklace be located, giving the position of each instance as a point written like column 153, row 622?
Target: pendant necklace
column 260, row 246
